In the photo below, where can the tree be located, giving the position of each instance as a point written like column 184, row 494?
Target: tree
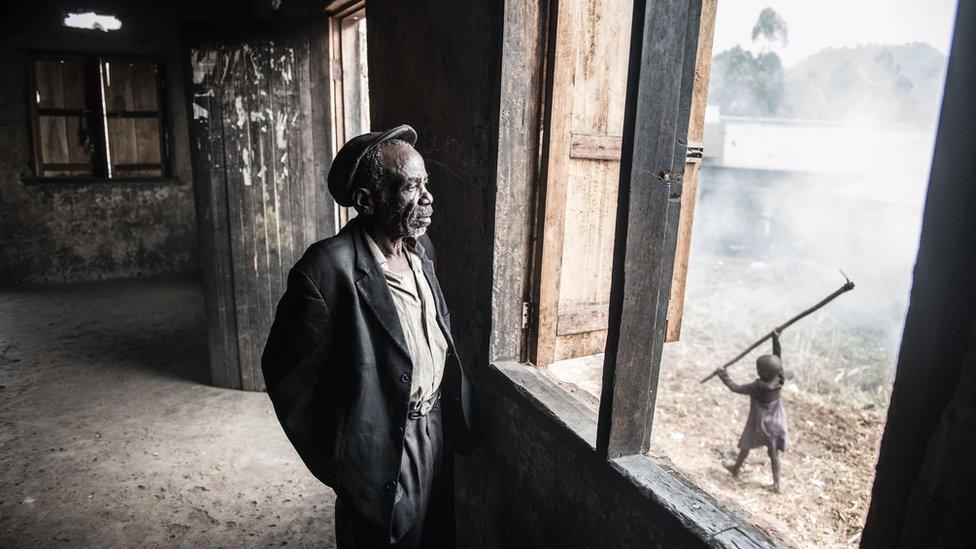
column 748, row 84
column 744, row 84
column 771, row 28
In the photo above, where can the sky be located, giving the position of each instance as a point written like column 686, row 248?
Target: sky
column 817, row 24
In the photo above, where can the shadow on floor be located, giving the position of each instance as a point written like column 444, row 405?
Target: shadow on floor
column 155, row 324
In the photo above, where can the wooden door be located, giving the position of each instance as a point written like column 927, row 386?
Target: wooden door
column 581, row 162
column 260, row 147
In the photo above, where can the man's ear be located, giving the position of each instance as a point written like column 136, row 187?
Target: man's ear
column 362, row 200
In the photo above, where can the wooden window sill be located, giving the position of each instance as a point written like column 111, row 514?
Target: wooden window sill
column 703, row 516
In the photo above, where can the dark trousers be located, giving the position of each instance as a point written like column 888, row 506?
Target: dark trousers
column 423, row 515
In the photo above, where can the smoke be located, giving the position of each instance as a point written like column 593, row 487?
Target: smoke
column 784, row 203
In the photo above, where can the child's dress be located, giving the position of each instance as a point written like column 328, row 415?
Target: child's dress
column 766, row 426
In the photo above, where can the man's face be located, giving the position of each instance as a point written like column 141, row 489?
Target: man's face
column 406, row 209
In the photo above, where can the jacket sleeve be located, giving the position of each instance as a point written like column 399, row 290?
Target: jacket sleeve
column 293, row 363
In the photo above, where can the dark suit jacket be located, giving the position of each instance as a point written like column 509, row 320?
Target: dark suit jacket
column 338, row 372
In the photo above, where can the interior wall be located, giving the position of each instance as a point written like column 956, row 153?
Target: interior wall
column 437, row 65
column 75, row 230
column 434, row 64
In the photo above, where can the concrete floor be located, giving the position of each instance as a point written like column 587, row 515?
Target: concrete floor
column 111, row 437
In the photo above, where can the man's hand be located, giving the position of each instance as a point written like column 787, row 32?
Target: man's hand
column 721, row 373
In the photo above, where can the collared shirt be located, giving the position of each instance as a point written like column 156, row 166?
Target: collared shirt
column 414, row 302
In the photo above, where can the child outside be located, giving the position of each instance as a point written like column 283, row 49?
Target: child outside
column 766, row 425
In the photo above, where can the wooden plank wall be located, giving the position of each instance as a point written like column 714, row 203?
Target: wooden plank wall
column 262, row 198
column 207, row 146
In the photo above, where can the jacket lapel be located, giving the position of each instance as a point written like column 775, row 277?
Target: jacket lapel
column 375, row 292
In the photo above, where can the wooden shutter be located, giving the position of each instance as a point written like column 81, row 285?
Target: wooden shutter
column 133, row 117
column 582, row 166
column 589, row 83
column 62, row 118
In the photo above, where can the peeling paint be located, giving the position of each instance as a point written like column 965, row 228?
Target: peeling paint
column 203, row 64
column 246, row 171
column 280, row 140
column 241, row 113
column 200, row 112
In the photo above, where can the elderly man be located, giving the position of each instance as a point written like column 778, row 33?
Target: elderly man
column 360, row 364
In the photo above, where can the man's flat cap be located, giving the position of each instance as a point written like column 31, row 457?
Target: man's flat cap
column 346, row 162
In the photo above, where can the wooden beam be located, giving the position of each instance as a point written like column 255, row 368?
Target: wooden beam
column 132, row 114
column 648, row 202
column 520, row 119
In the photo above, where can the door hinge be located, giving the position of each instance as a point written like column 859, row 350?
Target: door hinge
column 528, row 314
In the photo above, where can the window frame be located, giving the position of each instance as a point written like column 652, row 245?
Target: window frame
column 339, row 11
column 616, row 439
column 95, row 109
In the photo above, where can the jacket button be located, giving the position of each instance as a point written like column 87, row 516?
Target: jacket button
column 404, row 378
column 390, row 485
column 400, row 429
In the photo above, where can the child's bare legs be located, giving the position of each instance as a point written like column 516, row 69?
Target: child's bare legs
column 734, row 469
column 774, row 460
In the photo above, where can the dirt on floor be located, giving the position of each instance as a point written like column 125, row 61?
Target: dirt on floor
column 826, row 473
column 110, row 435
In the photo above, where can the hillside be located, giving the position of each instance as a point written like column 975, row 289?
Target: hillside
column 873, row 82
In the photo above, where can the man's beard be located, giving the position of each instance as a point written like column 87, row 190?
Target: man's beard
column 403, row 222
